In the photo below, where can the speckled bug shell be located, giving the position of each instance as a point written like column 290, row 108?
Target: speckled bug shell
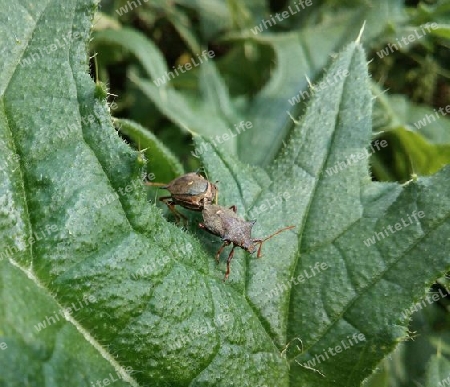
column 191, row 191
column 225, row 223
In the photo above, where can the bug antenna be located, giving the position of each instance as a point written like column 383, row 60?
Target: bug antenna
column 261, row 241
column 277, row 232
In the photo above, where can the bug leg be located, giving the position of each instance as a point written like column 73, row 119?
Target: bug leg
column 230, row 257
column 260, row 243
column 201, row 171
column 234, row 208
column 162, row 185
column 225, row 244
column 167, row 200
column 216, row 199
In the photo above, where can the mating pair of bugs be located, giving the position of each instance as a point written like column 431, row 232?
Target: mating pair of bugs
column 194, row 192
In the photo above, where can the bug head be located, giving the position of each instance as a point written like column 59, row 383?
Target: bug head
column 251, row 247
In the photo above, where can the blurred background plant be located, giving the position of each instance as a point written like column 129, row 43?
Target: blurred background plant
column 260, row 65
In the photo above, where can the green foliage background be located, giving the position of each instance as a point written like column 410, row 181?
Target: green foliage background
column 154, row 282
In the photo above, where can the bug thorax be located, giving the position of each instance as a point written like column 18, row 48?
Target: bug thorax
column 214, row 216
column 225, row 223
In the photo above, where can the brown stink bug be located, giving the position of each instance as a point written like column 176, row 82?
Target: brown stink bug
column 191, row 191
column 225, row 223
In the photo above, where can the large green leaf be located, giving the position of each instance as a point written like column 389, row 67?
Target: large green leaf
column 158, row 308
column 366, row 287
column 157, row 303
